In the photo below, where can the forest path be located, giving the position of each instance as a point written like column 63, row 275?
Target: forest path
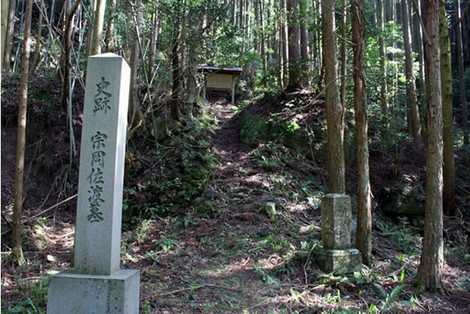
column 237, row 259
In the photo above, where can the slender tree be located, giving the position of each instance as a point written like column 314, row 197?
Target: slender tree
column 109, row 40
column 414, row 122
column 418, row 44
column 432, row 256
column 98, row 22
column 71, row 10
column 364, row 207
column 294, row 45
column 4, row 18
column 136, row 14
column 447, row 115
column 334, row 110
column 9, row 36
column 304, row 41
column 154, row 33
column 383, row 58
column 285, row 46
column 461, row 68
column 262, row 40
column 342, row 53
column 21, row 136
column 175, row 61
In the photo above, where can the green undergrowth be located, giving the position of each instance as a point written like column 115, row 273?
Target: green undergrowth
column 36, row 300
column 294, row 122
column 173, row 174
column 257, row 129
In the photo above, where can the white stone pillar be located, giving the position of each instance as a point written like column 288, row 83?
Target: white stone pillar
column 97, row 284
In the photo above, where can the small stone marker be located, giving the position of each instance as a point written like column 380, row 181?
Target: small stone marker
column 337, row 255
column 97, row 284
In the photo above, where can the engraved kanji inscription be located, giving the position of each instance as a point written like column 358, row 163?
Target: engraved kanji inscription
column 96, row 177
column 103, row 97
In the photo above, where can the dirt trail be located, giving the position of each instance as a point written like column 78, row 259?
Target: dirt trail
column 221, row 264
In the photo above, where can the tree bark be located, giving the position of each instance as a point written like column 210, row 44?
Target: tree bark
column 154, row 34
column 67, row 53
column 281, row 39
column 136, row 116
column 109, row 40
column 95, row 45
column 432, row 256
column 294, row 45
column 383, row 60
column 418, row 44
column 9, row 36
column 285, row 46
column 175, row 62
column 5, row 13
column 364, row 207
column 461, row 69
column 342, row 53
column 304, row 41
column 414, row 122
column 263, row 43
column 447, row 114
column 21, row 136
column 334, row 110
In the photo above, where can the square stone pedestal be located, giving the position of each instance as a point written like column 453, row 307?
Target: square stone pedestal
column 339, row 261
column 100, row 294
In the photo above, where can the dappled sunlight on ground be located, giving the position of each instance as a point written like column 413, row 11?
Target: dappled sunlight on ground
column 243, row 257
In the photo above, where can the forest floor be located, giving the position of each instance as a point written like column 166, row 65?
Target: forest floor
column 250, row 257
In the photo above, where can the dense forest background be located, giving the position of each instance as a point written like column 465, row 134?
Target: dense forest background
column 221, row 201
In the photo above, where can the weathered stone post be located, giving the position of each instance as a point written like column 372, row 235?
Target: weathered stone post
column 97, row 284
column 338, row 256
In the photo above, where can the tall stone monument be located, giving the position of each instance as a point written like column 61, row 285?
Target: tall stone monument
column 337, row 256
column 97, row 284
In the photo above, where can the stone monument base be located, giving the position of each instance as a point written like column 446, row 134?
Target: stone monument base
column 84, row 294
column 339, row 261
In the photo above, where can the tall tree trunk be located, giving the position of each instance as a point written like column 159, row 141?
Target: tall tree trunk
column 21, row 136
column 383, row 58
column 95, row 44
column 461, row 67
column 285, row 46
column 418, row 44
column 70, row 13
column 342, row 53
column 175, row 62
column 314, row 49
column 109, row 40
column 334, row 110
column 447, row 114
column 135, row 113
column 263, row 43
column 257, row 27
column 304, row 41
column 154, row 34
column 9, row 36
column 364, row 207
column 240, row 14
column 412, row 99
column 280, row 27
column 294, row 45
column 4, row 17
column 318, row 37
column 432, row 256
